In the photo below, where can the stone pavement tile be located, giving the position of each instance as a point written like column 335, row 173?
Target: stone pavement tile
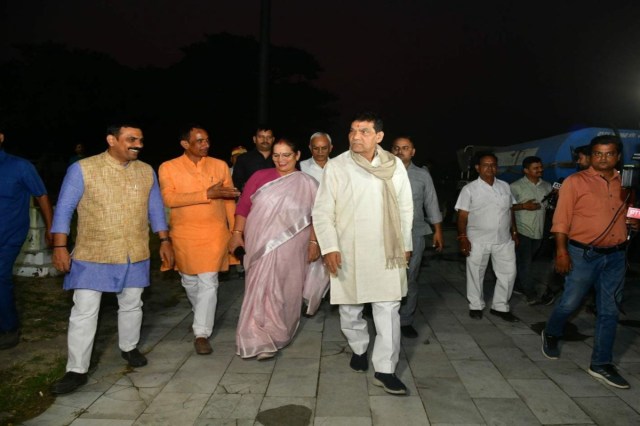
column 80, row 399
column 488, row 336
column 173, row 408
column 342, row 421
column 548, row 402
column 425, row 366
column 482, row 379
column 531, row 345
column 578, row 352
column 513, row 364
column 251, row 365
column 55, row 415
column 609, row 411
column 224, row 422
column 147, row 391
column 199, row 374
column 630, row 396
column 343, row 395
column 169, row 352
column 232, row 406
column 306, row 344
column 576, row 382
column 505, row 411
column 314, row 323
column 510, row 328
column 632, row 368
column 224, row 330
column 101, row 422
column 179, row 330
column 332, row 331
column 169, row 317
column 334, row 348
column 460, row 346
column 447, row 401
column 446, row 324
column 270, row 403
column 397, row 410
column 150, row 336
column 243, row 383
column 335, row 358
column 119, row 402
column 294, row 377
column 422, row 345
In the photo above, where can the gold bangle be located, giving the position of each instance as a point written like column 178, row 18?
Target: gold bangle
column 313, row 242
column 235, row 231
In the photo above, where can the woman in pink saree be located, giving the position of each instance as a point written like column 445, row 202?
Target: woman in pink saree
column 282, row 260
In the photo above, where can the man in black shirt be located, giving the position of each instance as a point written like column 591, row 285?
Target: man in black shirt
column 254, row 160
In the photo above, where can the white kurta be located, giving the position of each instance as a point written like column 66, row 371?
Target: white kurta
column 348, row 217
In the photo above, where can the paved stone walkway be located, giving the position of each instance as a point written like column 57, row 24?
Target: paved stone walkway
column 458, row 371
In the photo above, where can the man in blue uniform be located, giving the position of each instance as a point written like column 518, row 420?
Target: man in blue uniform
column 19, row 180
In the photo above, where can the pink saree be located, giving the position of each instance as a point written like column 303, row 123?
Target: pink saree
column 278, row 275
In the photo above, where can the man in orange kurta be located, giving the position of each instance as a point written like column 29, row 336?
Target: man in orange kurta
column 200, row 193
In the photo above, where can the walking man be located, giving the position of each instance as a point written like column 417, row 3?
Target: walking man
column 19, row 181
column 199, row 191
column 487, row 230
column 591, row 239
column 424, row 199
column 116, row 197
column 320, row 147
column 362, row 217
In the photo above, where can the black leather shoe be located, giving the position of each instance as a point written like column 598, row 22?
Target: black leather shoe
column 69, row 382
column 359, row 363
column 134, row 358
column 390, row 383
column 475, row 313
column 408, row 331
column 9, row 339
column 507, row 316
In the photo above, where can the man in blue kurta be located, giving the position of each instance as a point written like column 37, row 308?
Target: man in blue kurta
column 116, row 197
column 19, row 180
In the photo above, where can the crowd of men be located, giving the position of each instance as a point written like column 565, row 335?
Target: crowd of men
column 372, row 214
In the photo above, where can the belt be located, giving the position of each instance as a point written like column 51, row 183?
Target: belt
column 602, row 250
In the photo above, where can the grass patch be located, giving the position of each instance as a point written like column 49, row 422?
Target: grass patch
column 24, row 395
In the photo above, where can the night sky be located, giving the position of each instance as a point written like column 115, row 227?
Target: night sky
column 448, row 73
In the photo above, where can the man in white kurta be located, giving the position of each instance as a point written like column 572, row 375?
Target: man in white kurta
column 320, row 147
column 487, row 230
column 349, row 221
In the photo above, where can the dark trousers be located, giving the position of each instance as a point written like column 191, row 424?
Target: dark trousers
column 525, row 251
column 8, row 311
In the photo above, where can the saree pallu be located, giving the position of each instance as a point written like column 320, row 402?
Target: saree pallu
column 278, row 275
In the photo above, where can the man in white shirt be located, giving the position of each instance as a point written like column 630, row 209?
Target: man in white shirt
column 320, row 147
column 487, row 230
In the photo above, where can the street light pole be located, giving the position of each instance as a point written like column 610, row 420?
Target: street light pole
column 263, row 94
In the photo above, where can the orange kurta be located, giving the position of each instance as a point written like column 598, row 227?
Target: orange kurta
column 199, row 226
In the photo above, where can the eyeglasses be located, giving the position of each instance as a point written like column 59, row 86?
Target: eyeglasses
column 609, row 154
column 320, row 148
column 284, row 154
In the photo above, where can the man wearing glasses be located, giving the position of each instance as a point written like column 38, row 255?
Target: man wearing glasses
column 591, row 239
column 320, row 147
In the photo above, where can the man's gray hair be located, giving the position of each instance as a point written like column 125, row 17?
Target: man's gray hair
column 316, row 134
